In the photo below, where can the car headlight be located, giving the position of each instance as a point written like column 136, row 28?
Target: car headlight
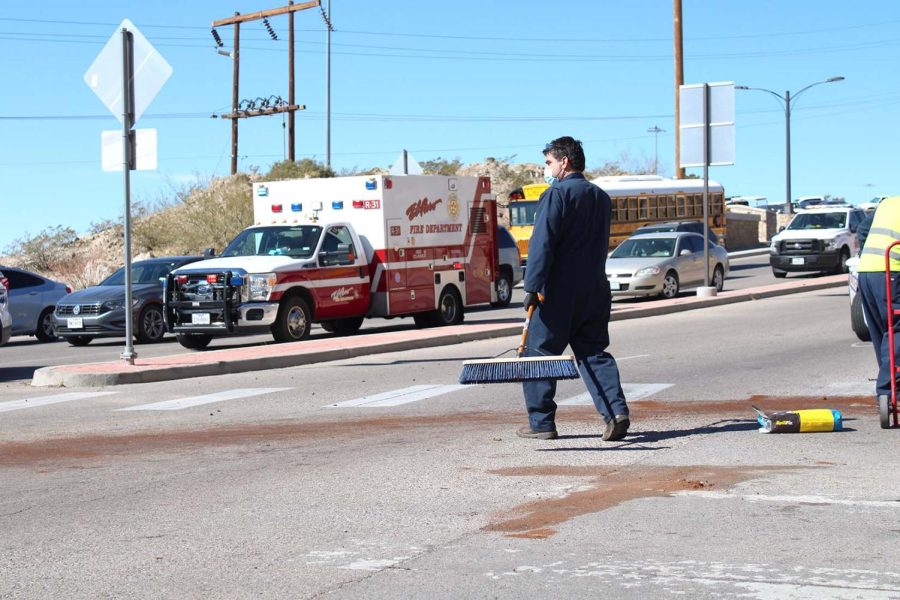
column 773, row 247
column 110, row 305
column 832, row 244
column 654, row 270
column 260, row 285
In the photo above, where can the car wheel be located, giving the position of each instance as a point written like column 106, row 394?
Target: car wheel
column 294, row 320
column 858, row 320
column 842, row 263
column 779, row 274
column 719, row 278
column 151, row 326
column 670, row 285
column 504, row 291
column 194, row 341
column 46, row 327
column 79, row 340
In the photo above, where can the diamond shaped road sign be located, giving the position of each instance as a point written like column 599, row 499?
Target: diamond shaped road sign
column 105, row 76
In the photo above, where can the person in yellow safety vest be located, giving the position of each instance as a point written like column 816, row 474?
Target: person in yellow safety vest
column 875, row 234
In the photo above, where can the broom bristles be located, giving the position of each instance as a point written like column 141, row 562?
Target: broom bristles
column 508, row 370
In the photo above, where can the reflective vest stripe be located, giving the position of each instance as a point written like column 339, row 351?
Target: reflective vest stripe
column 884, row 232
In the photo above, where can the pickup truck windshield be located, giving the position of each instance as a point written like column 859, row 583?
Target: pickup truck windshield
column 296, row 241
column 836, row 220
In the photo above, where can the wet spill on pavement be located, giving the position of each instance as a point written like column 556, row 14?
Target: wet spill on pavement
column 609, row 486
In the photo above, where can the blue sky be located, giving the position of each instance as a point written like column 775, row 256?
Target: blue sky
column 460, row 80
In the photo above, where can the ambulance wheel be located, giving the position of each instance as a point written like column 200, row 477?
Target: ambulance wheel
column 293, row 322
column 450, row 308
column 423, row 320
column 343, row 326
column 504, row 291
column 884, row 410
column 670, row 285
column 193, row 341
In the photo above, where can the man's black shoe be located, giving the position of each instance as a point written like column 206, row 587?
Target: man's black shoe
column 616, row 428
column 528, row 432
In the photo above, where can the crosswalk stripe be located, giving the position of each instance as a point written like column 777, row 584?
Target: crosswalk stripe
column 45, row 400
column 398, row 397
column 181, row 403
column 633, row 391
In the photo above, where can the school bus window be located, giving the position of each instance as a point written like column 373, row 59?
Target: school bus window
column 632, row 209
column 680, row 203
column 651, row 207
column 695, row 207
column 642, row 206
column 670, row 207
column 623, row 209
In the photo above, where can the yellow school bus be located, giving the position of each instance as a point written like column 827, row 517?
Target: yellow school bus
column 637, row 200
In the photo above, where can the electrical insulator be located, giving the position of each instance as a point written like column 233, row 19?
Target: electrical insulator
column 268, row 27
column 216, row 37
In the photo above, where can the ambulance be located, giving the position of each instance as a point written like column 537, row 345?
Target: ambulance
column 338, row 250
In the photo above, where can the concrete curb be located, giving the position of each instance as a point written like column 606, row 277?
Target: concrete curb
column 277, row 356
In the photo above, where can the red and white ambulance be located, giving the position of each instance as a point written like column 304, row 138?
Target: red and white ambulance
column 335, row 251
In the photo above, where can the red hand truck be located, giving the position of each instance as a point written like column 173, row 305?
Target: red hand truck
column 887, row 407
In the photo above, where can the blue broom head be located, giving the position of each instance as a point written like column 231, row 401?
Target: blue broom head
column 510, row 370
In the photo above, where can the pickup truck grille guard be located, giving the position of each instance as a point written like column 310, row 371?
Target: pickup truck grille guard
column 198, row 295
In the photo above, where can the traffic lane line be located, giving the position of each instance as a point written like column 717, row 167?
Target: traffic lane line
column 47, row 400
column 787, row 499
column 398, row 397
column 633, row 392
column 182, row 403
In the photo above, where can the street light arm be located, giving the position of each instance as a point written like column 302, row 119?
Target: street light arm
column 829, row 80
column 781, row 98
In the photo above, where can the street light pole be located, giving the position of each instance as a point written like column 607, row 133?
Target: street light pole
column 786, row 102
column 655, row 130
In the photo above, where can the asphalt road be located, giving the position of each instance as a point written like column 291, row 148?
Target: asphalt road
column 377, row 478
column 23, row 354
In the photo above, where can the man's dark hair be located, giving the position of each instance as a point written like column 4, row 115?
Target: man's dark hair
column 568, row 147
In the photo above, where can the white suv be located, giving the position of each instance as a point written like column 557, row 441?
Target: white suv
column 817, row 239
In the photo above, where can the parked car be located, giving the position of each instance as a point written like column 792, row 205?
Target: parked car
column 511, row 271
column 857, row 315
column 821, row 238
column 32, row 299
column 663, row 264
column 692, row 226
column 99, row 311
column 5, row 317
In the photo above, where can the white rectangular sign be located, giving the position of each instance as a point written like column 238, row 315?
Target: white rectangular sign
column 693, row 121
column 111, row 158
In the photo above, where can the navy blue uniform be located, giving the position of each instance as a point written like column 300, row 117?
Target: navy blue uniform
column 567, row 264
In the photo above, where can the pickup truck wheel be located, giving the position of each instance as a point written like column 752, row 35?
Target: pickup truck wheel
column 151, row 326
column 46, row 327
column 504, row 291
column 450, row 308
column 842, row 263
column 345, row 326
column 79, row 340
column 779, row 274
column 858, row 320
column 194, row 341
column 293, row 322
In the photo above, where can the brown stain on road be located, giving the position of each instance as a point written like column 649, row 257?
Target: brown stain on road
column 608, row 487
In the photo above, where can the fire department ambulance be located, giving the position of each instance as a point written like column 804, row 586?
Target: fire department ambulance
column 335, row 251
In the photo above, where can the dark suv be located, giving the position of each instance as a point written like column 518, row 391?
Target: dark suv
column 692, row 226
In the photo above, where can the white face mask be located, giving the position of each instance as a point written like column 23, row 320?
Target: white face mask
column 548, row 176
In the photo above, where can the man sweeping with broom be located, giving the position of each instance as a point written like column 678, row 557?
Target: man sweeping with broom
column 566, row 282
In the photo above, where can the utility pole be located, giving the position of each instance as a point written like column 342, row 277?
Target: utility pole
column 655, row 130
column 290, row 108
column 679, row 81
column 326, row 16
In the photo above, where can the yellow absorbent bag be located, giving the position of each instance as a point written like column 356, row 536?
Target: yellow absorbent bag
column 800, row 421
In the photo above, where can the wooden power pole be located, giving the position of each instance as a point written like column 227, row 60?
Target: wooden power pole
column 290, row 107
column 679, row 81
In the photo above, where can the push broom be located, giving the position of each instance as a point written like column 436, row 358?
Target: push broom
column 521, row 368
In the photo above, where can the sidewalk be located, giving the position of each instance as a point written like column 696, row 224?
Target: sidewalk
column 275, row 356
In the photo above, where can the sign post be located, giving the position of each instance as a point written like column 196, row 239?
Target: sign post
column 126, row 80
column 706, row 124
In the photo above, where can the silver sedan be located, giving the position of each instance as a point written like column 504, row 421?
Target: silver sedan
column 663, row 264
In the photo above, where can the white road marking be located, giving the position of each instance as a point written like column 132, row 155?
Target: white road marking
column 633, row 391
column 621, row 358
column 398, row 397
column 45, row 400
column 182, row 403
column 819, row 500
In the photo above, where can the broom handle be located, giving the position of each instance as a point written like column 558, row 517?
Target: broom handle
column 521, row 349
